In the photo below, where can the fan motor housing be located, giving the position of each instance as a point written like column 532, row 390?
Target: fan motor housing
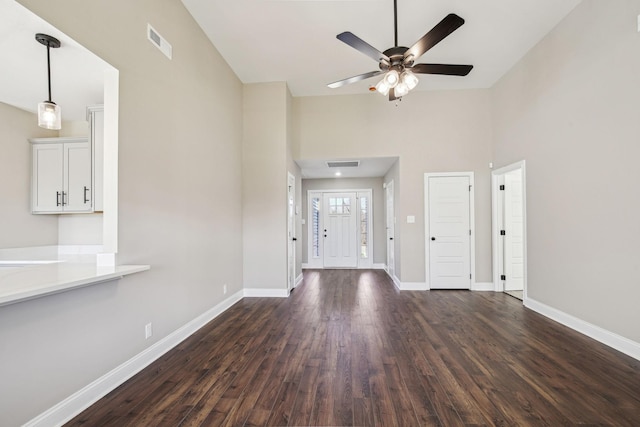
column 396, row 56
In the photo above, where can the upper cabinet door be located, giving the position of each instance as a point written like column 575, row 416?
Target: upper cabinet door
column 46, row 182
column 77, row 177
column 62, row 175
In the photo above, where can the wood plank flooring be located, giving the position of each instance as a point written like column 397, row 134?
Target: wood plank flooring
column 348, row 349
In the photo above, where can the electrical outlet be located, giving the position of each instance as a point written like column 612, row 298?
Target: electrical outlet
column 148, row 331
column 224, row 288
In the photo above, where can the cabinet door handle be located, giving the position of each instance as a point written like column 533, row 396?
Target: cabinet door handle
column 85, row 195
column 57, row 198
column 63, row 194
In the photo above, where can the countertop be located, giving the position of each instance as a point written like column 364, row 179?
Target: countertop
column 37, row 280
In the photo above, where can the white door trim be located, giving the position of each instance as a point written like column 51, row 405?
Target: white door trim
column 496, row 205
column 472, row 242
column 318, row 263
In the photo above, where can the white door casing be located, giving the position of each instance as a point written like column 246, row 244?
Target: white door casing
column 390, row 220
column 340, row 230
column 448, row 230
column 316, row 220
column 291, row 227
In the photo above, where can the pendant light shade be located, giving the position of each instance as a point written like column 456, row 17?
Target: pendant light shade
column 49, row 113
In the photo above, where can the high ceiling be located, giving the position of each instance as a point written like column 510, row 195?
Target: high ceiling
column 77, row 75
column 295, row 40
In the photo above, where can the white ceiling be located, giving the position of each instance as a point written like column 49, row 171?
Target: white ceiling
column 292, row 41
column 368, row 167
column 295, row 40
column 77, row 75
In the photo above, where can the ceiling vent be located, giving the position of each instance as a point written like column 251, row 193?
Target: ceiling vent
column 344, row 164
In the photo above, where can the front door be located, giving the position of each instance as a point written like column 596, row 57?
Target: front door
column 340, row 230
column 449, row 232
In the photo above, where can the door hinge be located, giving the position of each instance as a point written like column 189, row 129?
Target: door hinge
column 469, row 187
column 503, row 233
column 469, row 275
column 469, row 232
column 503, row 277
column 502, row 187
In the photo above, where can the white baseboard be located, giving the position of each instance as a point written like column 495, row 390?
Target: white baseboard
column 394, row 279
column 482, row 286
column 413, row 286
column 87, row 396
column 298, row 280
column 618, row 342
column 379, row 266
column 266, row 293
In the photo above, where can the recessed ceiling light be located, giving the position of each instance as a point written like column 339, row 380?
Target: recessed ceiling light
column 338, row 173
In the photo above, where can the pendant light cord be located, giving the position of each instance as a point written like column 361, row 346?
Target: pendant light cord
column 49, row 72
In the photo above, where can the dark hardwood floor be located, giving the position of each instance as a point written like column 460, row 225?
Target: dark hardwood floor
column 348, row 349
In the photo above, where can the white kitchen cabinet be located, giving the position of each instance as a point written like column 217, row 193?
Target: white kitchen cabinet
column 95, row 117
column 61, row 175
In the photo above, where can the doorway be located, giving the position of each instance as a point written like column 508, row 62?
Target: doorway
column 391, row 263
column 291, row 227
column 448, row 230
column 340, row 231
column 509, row 230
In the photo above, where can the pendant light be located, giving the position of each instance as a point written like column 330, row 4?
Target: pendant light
column 49, row 114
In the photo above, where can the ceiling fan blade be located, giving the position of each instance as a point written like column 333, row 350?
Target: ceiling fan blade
column 392, row 94
column 362, row 46
column 446, row 69
column 448, row 25
column 354, row 79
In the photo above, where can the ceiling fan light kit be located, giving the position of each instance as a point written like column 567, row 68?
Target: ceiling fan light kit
column 398, row 63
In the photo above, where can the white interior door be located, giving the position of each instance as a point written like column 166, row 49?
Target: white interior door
column 291, row 227
column 391, row 269
column 514, row 231
column 340, row 230
column 449, row 232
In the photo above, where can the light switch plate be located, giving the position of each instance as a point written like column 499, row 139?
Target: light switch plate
column 411, row 219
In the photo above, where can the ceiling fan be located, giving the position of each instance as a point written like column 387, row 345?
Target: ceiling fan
column 398, row 63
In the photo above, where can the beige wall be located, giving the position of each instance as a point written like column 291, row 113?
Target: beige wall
column 180, row 143
column 570, row 109
column 447, row 131
column 375, row 184
column 18, row 227
column 264, row 186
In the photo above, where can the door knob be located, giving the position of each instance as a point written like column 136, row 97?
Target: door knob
column 433, row 238
column 390, row 238
column 294, row 239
